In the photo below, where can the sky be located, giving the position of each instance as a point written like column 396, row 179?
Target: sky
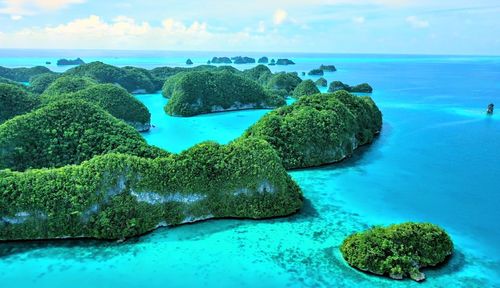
column 322, row 26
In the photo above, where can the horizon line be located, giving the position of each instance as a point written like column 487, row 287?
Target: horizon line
column 254, row 52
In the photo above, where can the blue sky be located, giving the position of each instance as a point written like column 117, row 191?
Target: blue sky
column 332, row 26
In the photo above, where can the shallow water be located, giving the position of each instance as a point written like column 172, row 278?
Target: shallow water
column 436, row 160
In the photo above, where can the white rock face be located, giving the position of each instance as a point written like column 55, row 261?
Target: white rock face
column 156, row 198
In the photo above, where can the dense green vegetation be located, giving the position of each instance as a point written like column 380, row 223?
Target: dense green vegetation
column 15, row 100
column 321, row 82
column 305, row 88
column 8, row 81
column 40, row 82
column 66, row 132
column 135, row 80
column 114, row 99
column 260, row 74
column 361, row 88
column 68, row 62
column 67, row 84
column 283, row 81
column 398, row 250
column 22, row 74
column 319, row 129
column 201, row 92
column 118, row 196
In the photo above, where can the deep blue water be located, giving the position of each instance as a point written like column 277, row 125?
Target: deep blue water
column 436, row 160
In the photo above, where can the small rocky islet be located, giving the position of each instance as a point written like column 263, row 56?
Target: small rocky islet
column 104, row 177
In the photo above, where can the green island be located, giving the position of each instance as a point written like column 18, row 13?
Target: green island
column 319, row 129
column 399, row 250
column 305, row 88
column 135, row 80
column 70, row 138
column 117, row 196
column 200, row 92
column 66, row 132
column 361, row 88
column 70, row 62
column 114, row 99
column 316, row 72
column 328, row 68
column 321, row 82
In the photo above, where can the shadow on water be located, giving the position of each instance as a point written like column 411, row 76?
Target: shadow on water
column 76, row 249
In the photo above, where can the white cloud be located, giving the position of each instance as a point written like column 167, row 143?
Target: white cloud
column 280, row 16
column 17, row 8
column 123, row 32
column 358, row 20
column 416, row 22
column 16, row 17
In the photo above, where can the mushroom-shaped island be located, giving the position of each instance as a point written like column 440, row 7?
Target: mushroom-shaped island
column 399, row 250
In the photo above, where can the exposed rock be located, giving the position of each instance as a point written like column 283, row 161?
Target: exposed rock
column 490, row 109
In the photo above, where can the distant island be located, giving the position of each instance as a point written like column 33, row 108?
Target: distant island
column 243, row 60
column 263, row 60
column 70, row 62
column 361, row 88
column 285, row 62
column 202, row 92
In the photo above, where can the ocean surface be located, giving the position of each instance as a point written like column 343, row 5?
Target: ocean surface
column 437, row 160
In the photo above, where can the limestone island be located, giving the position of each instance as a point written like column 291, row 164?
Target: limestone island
column 272, row 63
column 200, row 92
column 305, row 88
column 112, row 98
column 189, row 62
column 221, row 60
column 285, row 62
column 133, row 79
column 361, row 88
column 399, row 250
column 321, row 82
column 328, row 68
column 243, row 60
column 316, row 72
column 70, row 62
column 263, row 60
column 336, row 124
column 119, row 186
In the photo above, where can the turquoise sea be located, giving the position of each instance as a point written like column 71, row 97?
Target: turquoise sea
column 437, row 159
